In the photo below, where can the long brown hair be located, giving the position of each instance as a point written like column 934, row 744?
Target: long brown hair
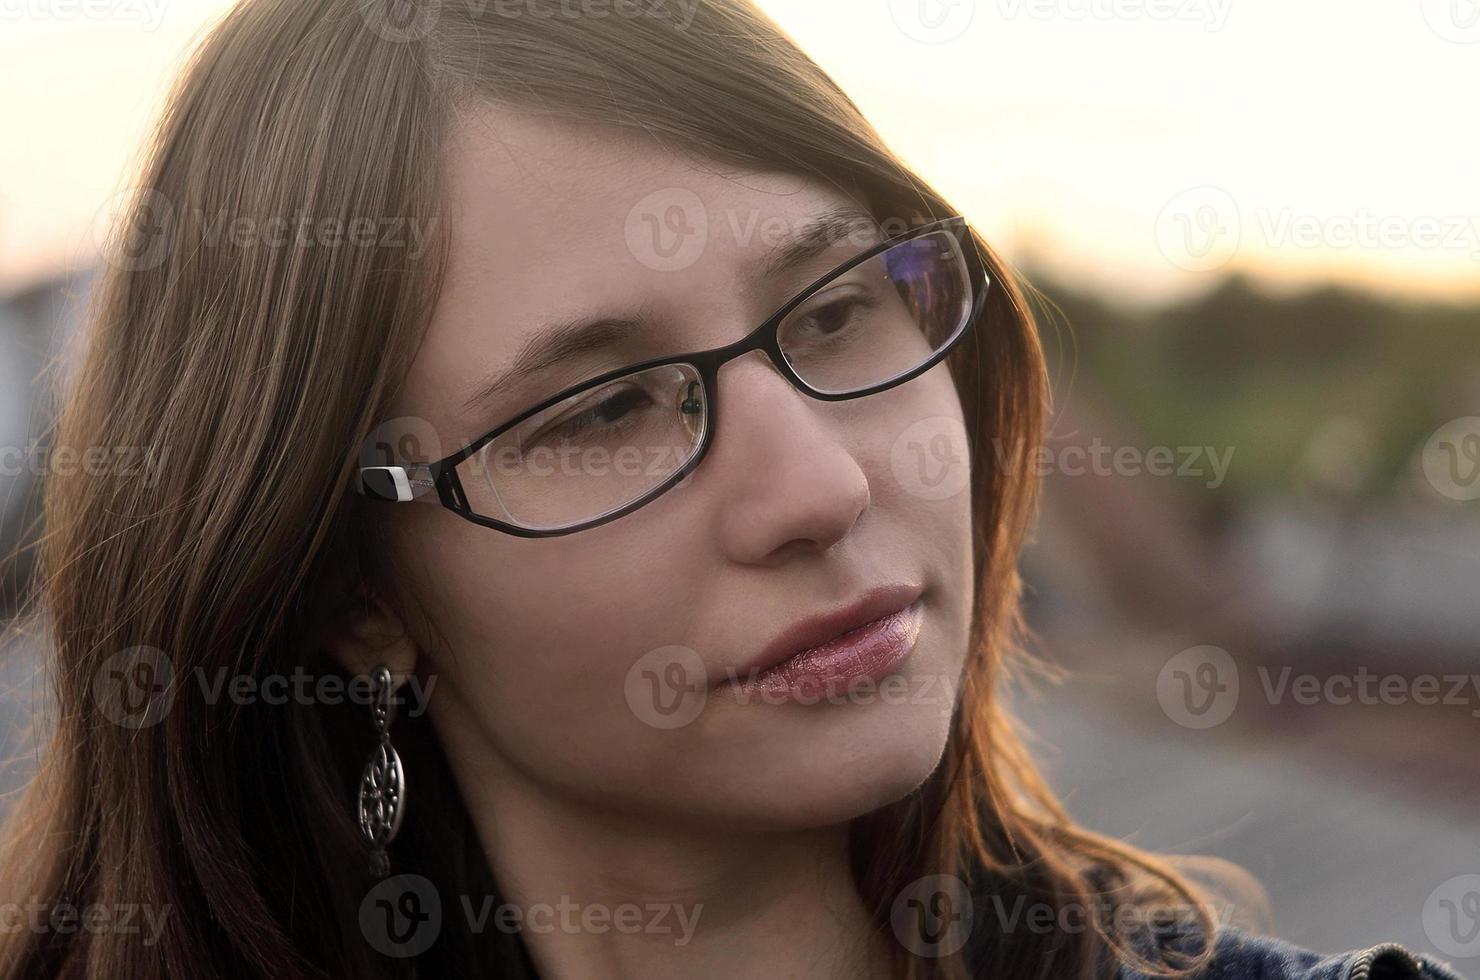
column 262, row 370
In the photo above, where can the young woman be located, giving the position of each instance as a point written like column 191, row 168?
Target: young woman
column 577, row 413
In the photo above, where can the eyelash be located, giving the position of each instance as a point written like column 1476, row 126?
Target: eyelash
column 849, row 303
column 579, row 423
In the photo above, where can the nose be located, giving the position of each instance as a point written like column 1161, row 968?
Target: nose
column 786, row 483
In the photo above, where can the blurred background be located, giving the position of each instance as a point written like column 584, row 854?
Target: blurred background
column 1255, row 227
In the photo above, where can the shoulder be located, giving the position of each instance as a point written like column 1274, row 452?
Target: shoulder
column 1240, row 955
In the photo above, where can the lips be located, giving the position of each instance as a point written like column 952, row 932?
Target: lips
column 870, row 637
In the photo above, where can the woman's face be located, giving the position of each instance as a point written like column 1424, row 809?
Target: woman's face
column 566, row 657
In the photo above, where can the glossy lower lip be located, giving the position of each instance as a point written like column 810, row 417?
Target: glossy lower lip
column 873, row 651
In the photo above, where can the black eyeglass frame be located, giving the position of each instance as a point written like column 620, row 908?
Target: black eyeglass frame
column 394, row 482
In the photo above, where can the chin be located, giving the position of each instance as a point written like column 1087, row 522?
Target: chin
column 851, row 761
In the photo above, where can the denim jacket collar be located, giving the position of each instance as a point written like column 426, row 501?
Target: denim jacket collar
column 1240, row 955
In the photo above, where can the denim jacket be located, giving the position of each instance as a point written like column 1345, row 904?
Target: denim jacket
column 1241, row 955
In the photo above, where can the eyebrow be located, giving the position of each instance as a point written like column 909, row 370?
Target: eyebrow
column 573, row 338
column 821, row 232
column 565, row 340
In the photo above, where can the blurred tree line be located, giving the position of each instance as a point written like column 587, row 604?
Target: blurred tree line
column 1245, row 366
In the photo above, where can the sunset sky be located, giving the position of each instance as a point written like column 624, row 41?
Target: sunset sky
column 1139, row 147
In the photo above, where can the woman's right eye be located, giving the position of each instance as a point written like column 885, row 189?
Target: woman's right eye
column 610, row 414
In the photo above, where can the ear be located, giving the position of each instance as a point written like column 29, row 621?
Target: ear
column 370, row 635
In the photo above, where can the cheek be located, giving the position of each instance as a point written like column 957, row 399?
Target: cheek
column 542, row 634
column 919, row 462
column 920, row 470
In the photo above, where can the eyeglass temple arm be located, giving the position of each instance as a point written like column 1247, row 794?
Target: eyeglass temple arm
column 397, row 484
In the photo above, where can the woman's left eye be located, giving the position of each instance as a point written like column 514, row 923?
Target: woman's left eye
column 834, row 316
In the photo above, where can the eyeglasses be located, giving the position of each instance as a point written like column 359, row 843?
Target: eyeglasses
column 605, row 447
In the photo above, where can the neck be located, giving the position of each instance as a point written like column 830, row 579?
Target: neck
column 603, row 895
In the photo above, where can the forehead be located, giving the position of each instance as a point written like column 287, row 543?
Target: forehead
column 552, row 220
column 534, row 196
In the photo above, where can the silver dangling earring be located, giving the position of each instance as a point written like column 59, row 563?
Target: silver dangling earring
column 383, row 784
